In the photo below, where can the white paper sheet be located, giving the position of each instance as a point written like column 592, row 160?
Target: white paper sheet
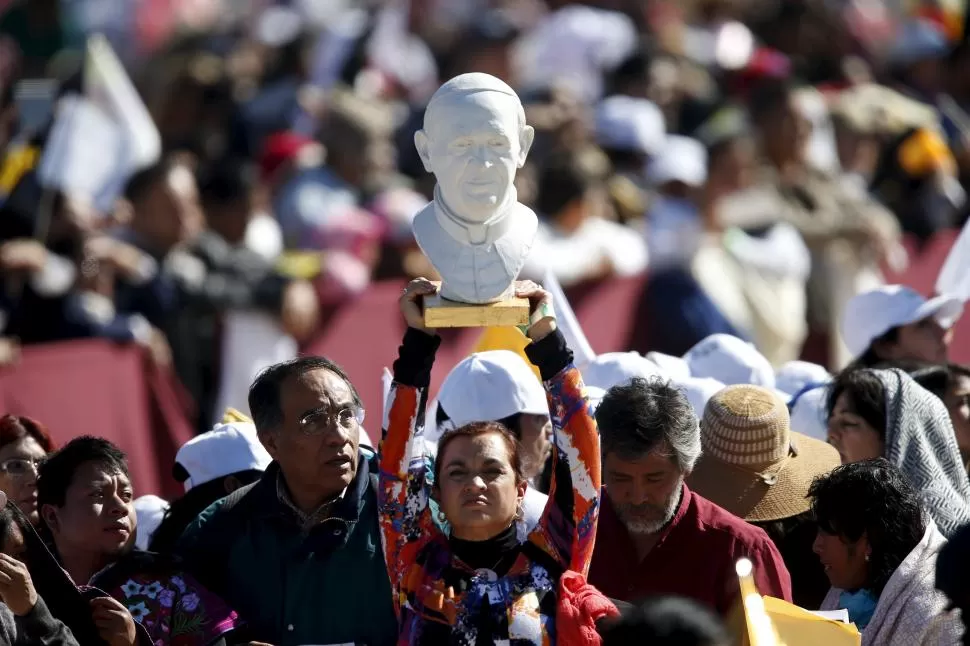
column 841, row 615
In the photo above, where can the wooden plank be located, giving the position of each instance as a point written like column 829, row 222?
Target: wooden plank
column 440, row 313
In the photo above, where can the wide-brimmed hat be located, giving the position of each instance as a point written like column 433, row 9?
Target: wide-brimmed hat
column 753, row 464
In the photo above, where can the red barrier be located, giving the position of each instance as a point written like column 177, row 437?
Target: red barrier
column 104, row 389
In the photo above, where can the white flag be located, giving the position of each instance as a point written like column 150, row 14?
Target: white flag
column 954, row 278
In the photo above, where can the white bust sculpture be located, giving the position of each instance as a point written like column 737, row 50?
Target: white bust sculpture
column 475, row 232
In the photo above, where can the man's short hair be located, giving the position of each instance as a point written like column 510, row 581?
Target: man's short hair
column 264, row 394
column 647, row 415
column 57, row 471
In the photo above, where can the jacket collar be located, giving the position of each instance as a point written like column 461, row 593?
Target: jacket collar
column 347, row 508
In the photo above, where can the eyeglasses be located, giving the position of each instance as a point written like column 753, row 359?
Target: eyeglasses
column 318, row 421
column 20, row 467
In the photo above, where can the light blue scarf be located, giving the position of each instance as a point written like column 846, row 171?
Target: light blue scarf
column 861, row 606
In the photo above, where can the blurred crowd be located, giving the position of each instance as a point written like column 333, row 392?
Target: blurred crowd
column 761, row 160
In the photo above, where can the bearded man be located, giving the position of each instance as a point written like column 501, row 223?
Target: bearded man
column 655, row 536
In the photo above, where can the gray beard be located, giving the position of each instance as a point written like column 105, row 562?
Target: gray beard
column 637, row 526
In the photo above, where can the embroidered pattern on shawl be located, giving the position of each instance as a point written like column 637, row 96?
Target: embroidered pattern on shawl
column 921, row 442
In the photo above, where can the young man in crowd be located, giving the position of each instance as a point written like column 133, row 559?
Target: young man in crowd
column 655, row 535
column 295, row 551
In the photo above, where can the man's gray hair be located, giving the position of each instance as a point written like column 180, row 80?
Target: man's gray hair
column 644, row 415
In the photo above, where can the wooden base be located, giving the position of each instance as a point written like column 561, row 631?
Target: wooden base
column 440, row 312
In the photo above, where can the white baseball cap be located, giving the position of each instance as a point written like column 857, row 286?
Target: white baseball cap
column 615, row 368
column 795, row 376
column 683, row 160
column 674, row 368
column 627, row 123
column 489, row 386
column 149, row 513
column 699, row 391
column 808, row 414
column 871, row 314
column 226, row 449
column 731, row 361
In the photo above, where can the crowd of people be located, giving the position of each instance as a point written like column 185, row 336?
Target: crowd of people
column 761, row 163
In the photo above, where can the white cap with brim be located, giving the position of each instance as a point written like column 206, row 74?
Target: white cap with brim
column 675, row 368
column 149, row 513
column 808, row 413
column 795, row 376
column 870, row 315
column 683, row 160
column 627, row 123
column 616, row 368
column 731, row 361
column 699, row 391
column 489, row 386
column 223, row 451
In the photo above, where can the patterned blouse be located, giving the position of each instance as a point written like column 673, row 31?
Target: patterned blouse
column 174, row 609
column 433, row 589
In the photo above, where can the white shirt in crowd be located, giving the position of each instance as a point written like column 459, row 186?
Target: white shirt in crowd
column 574, row 257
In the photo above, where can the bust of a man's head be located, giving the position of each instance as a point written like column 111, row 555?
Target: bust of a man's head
column 474, row 139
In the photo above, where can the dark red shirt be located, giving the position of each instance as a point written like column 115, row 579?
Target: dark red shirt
column 693, row 558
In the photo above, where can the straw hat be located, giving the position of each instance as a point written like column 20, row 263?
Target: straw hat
column 753, row 464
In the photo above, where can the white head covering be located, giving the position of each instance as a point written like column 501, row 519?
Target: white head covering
column 149, row 512
column 615, row 368
column 808, row 414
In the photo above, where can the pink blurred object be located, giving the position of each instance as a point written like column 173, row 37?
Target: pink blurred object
column 396, row 208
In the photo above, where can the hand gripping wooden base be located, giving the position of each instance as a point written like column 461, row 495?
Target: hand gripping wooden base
column 440, row 312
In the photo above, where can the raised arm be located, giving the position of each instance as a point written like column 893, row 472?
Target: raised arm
column 567, row 528
column 404, row 492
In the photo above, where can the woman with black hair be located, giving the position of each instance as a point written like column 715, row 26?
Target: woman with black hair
column 879, row 552
column 885, row 413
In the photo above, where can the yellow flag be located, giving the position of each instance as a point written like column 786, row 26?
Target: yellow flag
column 505, row 338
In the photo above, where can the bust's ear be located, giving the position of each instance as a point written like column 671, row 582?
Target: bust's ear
column 423, row 146
column 525, row 144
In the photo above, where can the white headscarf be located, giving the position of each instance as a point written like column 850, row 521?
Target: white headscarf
column 921, row 442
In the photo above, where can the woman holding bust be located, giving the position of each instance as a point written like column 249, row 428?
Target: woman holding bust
column 480, row 584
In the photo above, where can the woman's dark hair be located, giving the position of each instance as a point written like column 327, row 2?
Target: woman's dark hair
column 15, row 427
column 183, row 511
column 871, row 498
column 794, row 537
column 866, row 393
column 665, row 620
column 870, row 357
column 474, row 430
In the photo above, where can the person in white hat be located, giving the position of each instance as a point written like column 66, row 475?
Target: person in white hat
column 149, row 510
column 498, row 386
column 674, row 226
column 210, row 466
column 731, row 361
column 894, row 323
column 614, row 368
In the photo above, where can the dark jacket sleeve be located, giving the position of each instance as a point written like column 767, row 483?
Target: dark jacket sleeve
column 38, row 628
column 204, row 548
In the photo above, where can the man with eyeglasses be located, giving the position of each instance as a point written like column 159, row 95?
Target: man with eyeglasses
column 297, row 553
